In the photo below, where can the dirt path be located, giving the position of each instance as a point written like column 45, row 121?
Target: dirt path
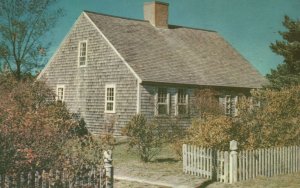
column 162, row 180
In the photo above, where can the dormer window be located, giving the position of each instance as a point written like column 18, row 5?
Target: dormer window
column 82, row 53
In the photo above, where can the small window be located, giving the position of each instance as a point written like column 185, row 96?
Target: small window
column 254, row 103
column 60, row 93
column 181, row 102
column 230, row 103
column 162, row 102
column 110, row 98
column 82, row 53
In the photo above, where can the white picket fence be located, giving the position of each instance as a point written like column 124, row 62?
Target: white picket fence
column 54, row 178
column 101, row 177
column 232, row 166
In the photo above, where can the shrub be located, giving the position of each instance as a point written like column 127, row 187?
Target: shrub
column 145, row 137
column 276, row 122
column 207, row 102
column 33, row 127
column 81, row 155
column 211, row 131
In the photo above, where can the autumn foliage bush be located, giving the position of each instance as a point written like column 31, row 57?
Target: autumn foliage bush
column 211, row 131
column 276, row 122
column 269, row 118
column 35, row 130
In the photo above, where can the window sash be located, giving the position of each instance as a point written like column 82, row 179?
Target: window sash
column 162, row 102
column 60, row 93
column 110, row 98
column 181, row 102
column 82, row 53
column 230, row 103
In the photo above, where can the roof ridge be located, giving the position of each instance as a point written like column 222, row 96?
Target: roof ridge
column 109, row 15
column 171, row 26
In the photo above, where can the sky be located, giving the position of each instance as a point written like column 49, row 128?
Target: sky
column 250, row 26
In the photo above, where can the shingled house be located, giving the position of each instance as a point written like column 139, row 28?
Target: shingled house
column 109, row 68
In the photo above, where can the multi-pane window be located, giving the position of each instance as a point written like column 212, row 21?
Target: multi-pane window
column 82, row 53
column 110, row 98
column 162, row 106
column 60, row 93
column 230, row 103
column 182, row 102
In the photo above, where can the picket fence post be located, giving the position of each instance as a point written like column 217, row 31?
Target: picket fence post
column 108, row 168
column 233, row 162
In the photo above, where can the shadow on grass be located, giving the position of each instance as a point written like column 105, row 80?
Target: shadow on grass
column 206, row 183
column 165, row 160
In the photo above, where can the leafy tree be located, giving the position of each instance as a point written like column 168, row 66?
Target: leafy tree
column 24, row 26
column 287, row 73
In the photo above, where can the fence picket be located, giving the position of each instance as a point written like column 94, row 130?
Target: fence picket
column 195, row 160
column 294, row 159
column 270, row 162
column 208, row 163
column 226, row 167
column 256, row 163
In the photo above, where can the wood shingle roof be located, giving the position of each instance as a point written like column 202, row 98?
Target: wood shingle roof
column 177, row 55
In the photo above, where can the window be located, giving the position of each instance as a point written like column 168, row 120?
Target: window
column 110, row 98
column 254, row 103
column 82, row 53
column 162, row 102
column 60, row 93
column 181, row 102
column 230, row 103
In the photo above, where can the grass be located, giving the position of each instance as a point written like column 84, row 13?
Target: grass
column 167, row 168
column 288, row 180
column 163, row 168
column 163, row 164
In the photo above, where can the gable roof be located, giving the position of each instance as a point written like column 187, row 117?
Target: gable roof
column 177, row 55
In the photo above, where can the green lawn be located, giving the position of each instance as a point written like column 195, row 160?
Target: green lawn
column 167, row 168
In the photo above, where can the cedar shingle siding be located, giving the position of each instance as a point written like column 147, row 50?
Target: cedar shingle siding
column 85, row 86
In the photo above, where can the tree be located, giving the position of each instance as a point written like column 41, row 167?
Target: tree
column 24, row 26
column 287, row 73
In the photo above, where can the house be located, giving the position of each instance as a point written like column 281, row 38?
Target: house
column 109, row 68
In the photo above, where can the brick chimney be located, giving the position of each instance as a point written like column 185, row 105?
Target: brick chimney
column 156, row 13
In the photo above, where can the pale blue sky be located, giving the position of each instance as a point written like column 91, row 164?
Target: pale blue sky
column 248, row 25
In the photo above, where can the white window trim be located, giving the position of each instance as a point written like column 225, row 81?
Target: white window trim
column 86, row 52
column 64, row 91
column 156, row 103
column 114, row 101
column 186, row 103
